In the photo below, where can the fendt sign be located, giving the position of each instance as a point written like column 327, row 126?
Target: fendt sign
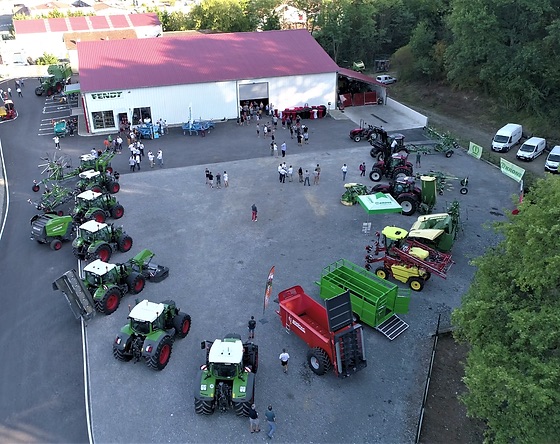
column 107, row 95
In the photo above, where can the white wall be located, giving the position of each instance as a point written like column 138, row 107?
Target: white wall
column 420, row 119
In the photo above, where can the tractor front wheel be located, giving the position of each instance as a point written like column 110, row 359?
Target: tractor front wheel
column 182, row 324
column 382, row 272
column 103, row 252
column 98, row 216
column 161, row 357
column 124, row 243
column 135, row 282
column 357, row 138
column 39, row 91
column 56, row 244
column 318, row 361
column 117, row 211
column 464, row 190
column 203, row 407
column 408, row 204
column 376, row 174
column 113, row 187
column 110, row 301
column 416, row 284
column 448, row 153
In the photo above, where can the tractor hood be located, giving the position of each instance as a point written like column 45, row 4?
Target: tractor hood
column 429, row 234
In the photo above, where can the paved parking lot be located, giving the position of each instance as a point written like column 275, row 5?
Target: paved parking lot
column 219, row 262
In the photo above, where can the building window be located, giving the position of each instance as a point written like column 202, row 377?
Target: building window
column 141, row 115
column 103, row 119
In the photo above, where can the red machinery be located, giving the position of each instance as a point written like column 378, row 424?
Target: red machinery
column 335, row 340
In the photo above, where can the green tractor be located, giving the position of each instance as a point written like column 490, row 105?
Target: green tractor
column 96, row 206
column 228, row 378
column 99, row 240
column 150, row 333
column 52, row 229
column 99, row 182
column 57, row 76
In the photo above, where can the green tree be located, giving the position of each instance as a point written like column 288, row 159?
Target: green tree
column 510, row 316
column 221, row 15
column 47, row 59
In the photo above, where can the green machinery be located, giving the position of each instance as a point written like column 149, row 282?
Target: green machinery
column 99, row 182
column 438, row 231
column 52, row 229
column 353, row 190
column 150, row 333
column 411, row 198
column 228, row 378
column 96, row 206
column 375, row 302
column 99, row 240
column 57, row 76
column 53, row 198
column 359, row 66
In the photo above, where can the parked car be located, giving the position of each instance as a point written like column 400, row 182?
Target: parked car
column 553, row 160
column 386, row 80
column 531, row 149
column 507, row 137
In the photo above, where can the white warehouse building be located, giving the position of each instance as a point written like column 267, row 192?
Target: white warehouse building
column 201, row 76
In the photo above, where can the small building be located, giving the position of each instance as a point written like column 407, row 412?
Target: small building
column 201, row 76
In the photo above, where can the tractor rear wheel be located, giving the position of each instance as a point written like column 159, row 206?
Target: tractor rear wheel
column 98, row 216
column 251, row 356
column 449, row 153
column 182, row 324
column 56, row 244
column 35, row 188
column 161, row 357
column 39, row 91
column 117, row 211
column 242, row 408
column 416, row 284
column 409, row 205
column 113, row 187
column 110, row 301
column 376, row 174
column 401, row 173
column 103, row 252
column 318, row 361
column 135, row 282
column 203, row 407
column 58, row 87
column 124, row 243
column 382, row 272
column 121, row 355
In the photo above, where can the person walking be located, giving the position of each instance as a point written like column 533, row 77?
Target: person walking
column 306, row 180
column 291, row 173
column 418, row 159
column 132, row 163
column 363, row 169
column 344, row 170
column 283, row 148
column 291, row 131
column 275, row 149
column 10, row 92
column 265, row 130
column 151, row 158
column 21, row 83
column 251, row 325
column 206, row 173
column 316, row 175
column 271, row 419
column 258, row 130
column 284, row 358
column 138, row 159
column 226, row 179
column 253, row 420
column 160, row 158
column 254, row 213
column 210, row 179
column 18, row 89
column 218, row 180
column 56, row 142
column 300, row 174
column 299, row 137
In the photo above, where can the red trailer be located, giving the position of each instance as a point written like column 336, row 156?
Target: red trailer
column 336, row 341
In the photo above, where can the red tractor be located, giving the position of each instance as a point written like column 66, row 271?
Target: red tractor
column 405, row 191
column 336, row 341
column 397, row 166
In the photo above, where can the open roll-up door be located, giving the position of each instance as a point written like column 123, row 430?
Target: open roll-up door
column 250, row 91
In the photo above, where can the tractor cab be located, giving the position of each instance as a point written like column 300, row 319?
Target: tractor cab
column 404, row 185
column 87, row 198
column 89, row 174
column 91, row 231
column 393, row 237
column 98, row 272
column 7, row 111
column 146, row 317
column 225, row 356
column 397, row 142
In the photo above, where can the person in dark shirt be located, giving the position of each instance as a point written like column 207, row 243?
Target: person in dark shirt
column 252, row 324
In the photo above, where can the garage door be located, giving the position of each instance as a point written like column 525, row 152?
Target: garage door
column 249, row 91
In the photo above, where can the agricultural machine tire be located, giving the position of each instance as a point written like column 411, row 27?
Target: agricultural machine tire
column 161, row 357
column 58, row 87
column 357, row 138
column 121, row 355
column 464, row 190
column 77, row 253
column 318, row 361
column 409, row 205
column 135, row 283
column 50, row 92
column 124, row 243
column 367, row 267
column 252, row 357
column 96, row 189
column 416, row 284
column 382, row 272
column 374, row 152
column 203, row 407
column 376, row 174
column 401, row 173
column 35, row 188
column 242, row 408
column 113, row 187
column 449, row 153
column 98, row 216
column 427, row 276
column 110, row 301
column 39, row 91
column 182, row 324
column 103, row 252
column 117, row 211
column 56, row 244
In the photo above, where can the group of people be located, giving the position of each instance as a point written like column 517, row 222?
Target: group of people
column 137, row 153
column 219, row 177
column 253, row 110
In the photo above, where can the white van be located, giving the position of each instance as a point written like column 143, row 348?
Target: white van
column 553, row 160
column 386, row 80
column 531, row 149
column 506, row 137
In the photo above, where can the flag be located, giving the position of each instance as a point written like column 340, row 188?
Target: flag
column 268, row 289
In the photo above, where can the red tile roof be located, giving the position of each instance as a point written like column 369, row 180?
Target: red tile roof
column 90, row 23
column 199, row 58
column 358, row 76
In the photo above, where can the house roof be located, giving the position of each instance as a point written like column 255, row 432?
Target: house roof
column 72, row 38
column 358, row 76
column 88, row 23
column 199, row 58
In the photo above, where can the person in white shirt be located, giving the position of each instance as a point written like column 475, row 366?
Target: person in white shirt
column 284, row 358
column 344, row 170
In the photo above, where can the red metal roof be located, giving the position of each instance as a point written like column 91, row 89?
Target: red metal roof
column 90, row 23
column 358, row 76
column 199, row 58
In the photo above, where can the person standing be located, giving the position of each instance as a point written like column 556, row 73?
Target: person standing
column 265, row 130
column 21, row 83
column 291, row 173
column 10, row 92
column 210, row 179
column 226, row 179
column 254, row 420
column 316, row 175
column 138, row 159
column 418, row 159
column 271, row 419
column 206, row 172
column 151, row 158
column 344, row 170
column 18, row 89
column 363, row 169
column 300, row 174
column 56, row 142
column 284, row 358
column 291, row 131
column 258, row 130
column 299, row 137
column 160, row 158
column 132, row 163
column 254, row 213
column 283, row 148
column 251, row 325
column 274, row 148
column 306, row 180
column 218, row 180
